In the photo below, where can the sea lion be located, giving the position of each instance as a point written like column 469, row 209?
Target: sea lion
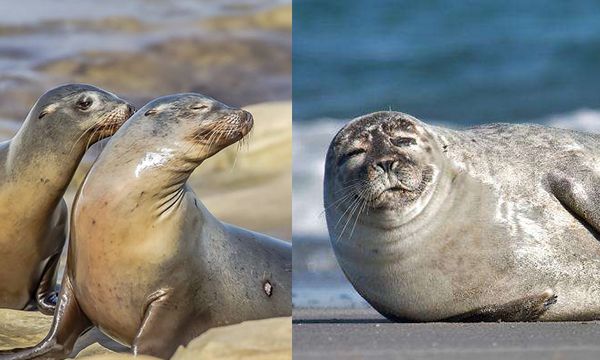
column 36, row 166
column 497, row 222
column 148, row 264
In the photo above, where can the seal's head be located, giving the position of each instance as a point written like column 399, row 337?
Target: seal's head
column 79, row 111
column 381, row 163
column 194, row 125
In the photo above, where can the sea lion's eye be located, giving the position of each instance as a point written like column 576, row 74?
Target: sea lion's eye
column 404, row 141
column 199, row 107
column 351, row 154
column 84, row 103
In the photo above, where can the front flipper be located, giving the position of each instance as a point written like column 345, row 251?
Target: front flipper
column 578, row 192
column 529, row 308
column 166, row 325
column 69, row 322
column 45, row 296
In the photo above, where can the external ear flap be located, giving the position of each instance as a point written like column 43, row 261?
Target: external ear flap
column 47, row 110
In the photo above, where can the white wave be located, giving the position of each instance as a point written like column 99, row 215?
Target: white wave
column 310, row 144
column 582, row 119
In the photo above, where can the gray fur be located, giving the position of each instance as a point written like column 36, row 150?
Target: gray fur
column 510, row 214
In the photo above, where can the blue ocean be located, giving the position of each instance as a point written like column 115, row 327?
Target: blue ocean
column 456, row 63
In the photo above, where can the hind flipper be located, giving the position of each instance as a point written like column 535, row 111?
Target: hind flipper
column 45, row 296
column 69, row 322
column 577, row 190
column 529, row 308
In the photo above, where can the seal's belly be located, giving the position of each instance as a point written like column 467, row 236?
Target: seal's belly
column 113, row 291
column 477, row 256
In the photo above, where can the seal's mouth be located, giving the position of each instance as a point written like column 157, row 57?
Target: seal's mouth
column 112, row 122
column 229, row 129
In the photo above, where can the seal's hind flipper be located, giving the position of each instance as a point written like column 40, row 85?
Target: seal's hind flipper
column 578, row 192
column 529, row 308
column 69, row 322
column 45, row 296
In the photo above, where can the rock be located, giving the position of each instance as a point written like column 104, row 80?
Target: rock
column 278, row 19
column 22, row 328
column 233, row 69
column 262, row 339
column 117, row 356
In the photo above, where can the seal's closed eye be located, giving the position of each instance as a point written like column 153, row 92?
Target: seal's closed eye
column 350, row 154
column 198, row 107
column 150, row 112
column 404, row 141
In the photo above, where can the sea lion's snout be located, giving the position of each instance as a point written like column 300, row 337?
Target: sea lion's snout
column 113, row 119
column 246, row 122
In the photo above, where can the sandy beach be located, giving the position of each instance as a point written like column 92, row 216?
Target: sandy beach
column 364, row 334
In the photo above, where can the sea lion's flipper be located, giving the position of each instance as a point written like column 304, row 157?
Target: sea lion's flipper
column 529, row 308
column 69, row 322
column 45, row 296
column 578, row 192
column 160, row 333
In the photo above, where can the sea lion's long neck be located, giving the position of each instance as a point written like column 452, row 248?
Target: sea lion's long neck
column 145, row 180
column 44, row 163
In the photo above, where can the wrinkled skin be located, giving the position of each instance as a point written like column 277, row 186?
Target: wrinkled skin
column 148, row 264
column 35, row 168
column 497, row 222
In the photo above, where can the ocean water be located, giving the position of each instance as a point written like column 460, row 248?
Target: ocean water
column 460, row 61
column 454, row 64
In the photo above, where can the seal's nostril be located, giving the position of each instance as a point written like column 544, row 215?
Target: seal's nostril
column 131, row 109
column 386, row 165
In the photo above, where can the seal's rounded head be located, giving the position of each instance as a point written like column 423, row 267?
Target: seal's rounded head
column 381, row 161
column 81, row 107
column 201, row 125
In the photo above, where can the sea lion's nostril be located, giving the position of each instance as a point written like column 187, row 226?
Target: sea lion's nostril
column 131, row 109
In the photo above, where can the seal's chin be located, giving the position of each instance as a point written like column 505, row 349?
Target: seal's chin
column 392, row 197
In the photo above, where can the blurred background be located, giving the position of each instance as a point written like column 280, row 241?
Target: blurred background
column 237, row 51
column 452, row 63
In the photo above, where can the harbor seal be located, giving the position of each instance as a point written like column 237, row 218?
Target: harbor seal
column 148, row 264
column 494, row 223
column 36, row 166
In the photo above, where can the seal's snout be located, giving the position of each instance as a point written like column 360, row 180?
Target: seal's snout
column 247, row 121
column 130, row 109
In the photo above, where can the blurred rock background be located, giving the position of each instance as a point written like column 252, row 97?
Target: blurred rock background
column 237, row 51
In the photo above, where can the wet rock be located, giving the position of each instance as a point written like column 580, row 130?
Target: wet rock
column 112, row 23
column 262, row 339
column 278, row 19
column 236, row 70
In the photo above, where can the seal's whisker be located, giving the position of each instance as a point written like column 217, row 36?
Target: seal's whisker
column 362, row 208
column 354, row 201
column 354, row 208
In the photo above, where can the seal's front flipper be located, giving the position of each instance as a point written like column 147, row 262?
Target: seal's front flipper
column 45, row 296
column 578, row 192
column 69, row 322
column 529, row 308
column 163, row 329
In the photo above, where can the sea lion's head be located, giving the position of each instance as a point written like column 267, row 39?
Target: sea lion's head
column 194, row 125
column 82, row 112
column 379, row 166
